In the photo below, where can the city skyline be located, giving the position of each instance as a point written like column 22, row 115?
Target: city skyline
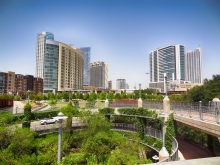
column 121, row 33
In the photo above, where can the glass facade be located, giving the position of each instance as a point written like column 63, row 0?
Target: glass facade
column 51, row 67
column 86, row 52
column 47, row 60
column 2, row 82
column 169, row 60
column 166, row 62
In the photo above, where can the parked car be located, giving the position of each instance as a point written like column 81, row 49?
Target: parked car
column 48, row 121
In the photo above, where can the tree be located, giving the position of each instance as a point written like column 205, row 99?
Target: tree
column 86, row 96
column 111, row 96
column 27, row 115
column 117, row 96
column 17, row 98
column 123, row 95
column 69, row 111
column 52, row 102
column 92, row 97
column 102, row 95
column 22, row 142
column 50, row 95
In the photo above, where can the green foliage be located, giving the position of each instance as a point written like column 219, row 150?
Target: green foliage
column 50, row 95
column 27, row 114
column 206, row 92
column 6, row 119
column 170, row 132
column 117, row 96
column 75, row 158
column 66, row 95
column 107, row 111
column 22, row 142
column 86, row 96
column 111, row 96
column 92, row 97
column 5, row 137
column 52, row 102
column 17, row 98
column 102, row 95
column 7, row 97
column 123, row 95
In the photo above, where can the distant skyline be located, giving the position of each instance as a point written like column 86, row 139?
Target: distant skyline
column 119, row 32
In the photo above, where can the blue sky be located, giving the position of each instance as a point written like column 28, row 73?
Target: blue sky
column 119, row 32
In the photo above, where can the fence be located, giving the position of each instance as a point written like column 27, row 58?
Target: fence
column 154, row 133
column 204, row 111
column 77, row 124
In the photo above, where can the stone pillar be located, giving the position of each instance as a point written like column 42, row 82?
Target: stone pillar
column 106, row 103
column 166, row 105
column 140, row 103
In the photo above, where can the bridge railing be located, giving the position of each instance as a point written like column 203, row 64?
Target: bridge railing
column 42, row 129
column 203, row 111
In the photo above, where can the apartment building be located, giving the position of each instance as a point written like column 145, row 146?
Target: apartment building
column 70, row 68
column 193, row 65
column 99, row 74
column 60, row 65
column 121, row 84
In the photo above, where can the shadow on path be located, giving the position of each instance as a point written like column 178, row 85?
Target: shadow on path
column 191, row 151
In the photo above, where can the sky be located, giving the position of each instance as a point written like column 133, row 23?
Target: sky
column 119, row 32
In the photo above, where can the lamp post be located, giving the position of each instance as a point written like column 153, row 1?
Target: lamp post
column 165, row 87
column 147, row 73
column 60, row 119
column 163, row 152
column 69, row 95
column 139, row 91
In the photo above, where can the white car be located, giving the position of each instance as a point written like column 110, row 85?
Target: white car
column 48, row 121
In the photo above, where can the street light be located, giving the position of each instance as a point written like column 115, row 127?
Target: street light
column 139, row 91
column 60, row 119
column 163, row 152
column 166, row 84
column 69, row 95
column 147, row 73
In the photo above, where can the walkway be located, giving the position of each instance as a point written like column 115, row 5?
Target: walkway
column 191, row 151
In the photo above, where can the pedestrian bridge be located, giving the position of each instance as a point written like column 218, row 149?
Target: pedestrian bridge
column 201, row 116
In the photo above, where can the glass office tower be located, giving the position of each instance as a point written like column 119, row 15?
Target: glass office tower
column 169, row 60
column 47, row 60
column 86, row 52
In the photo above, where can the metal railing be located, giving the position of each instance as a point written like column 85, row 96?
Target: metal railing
column 153, row 105
column 42, row 129
column 204, row 111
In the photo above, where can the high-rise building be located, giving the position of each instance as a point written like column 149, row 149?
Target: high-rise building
column 10, row 82
column 120, row 84
column 3, row 82
column 193, row 66
column 110, row 84
column 86, row 52
column 169, row 60
column 60, row 65
column 99, row 74
column 70, row 68
column 20, row 84
column 38, row 85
